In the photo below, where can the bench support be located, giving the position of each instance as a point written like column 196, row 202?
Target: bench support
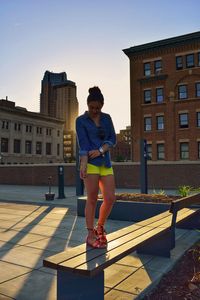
column 192, row 222
column 159, row 246
column 72, row 286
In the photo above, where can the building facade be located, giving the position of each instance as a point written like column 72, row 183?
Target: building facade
column 165, row 98
column 58, row 99
column 122, row 150
column 29, row 137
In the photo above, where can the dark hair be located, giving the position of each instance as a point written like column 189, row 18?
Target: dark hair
column 95, row 95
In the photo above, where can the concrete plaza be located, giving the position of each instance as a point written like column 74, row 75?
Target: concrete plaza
column 32, row 228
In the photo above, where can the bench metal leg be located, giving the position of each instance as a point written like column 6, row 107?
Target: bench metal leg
column 192, row 222
column 159, row 246
column 71, row 286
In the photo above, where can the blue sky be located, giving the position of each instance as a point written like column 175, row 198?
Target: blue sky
column 85, row 39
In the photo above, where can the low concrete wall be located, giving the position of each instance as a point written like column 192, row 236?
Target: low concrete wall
column 165, row 175
column 126, row 210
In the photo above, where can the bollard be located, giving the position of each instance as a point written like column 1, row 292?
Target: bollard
column 49, row 195
column 61, row 194
column 143, row 167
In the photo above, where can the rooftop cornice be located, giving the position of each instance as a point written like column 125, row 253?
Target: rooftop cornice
column 169, row 42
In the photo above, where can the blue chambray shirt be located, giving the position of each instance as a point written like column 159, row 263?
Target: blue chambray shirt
column 89, row 138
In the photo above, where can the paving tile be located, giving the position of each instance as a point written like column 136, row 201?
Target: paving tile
column 5, row 224
column 117, row 273
column 9, row 217
column 38, row 229
column 135, row 260
column 25, row 256
column 6, row 246
column 138, row 281
column 163, row 264
column 53, row 244
column 19, row 238
column 3, row 297
column 36, row 285
column 11, row 271
column 119, row 295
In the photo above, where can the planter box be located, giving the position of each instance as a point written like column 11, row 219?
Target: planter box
column 127, row 210
column 49, row 196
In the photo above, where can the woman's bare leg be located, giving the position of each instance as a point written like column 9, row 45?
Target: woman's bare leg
column 107, row 186
column 91, row 183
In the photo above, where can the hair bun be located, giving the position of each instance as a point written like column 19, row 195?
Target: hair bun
column 95, row 95
column 94, row 90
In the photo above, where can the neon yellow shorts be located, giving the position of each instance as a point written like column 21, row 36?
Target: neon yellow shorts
column 102, row 170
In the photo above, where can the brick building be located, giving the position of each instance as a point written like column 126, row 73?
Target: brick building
column 29, row 137
column 58, row 99
column 165, row 98
column 122, row 150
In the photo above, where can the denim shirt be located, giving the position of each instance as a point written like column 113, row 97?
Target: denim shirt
column 92, row 137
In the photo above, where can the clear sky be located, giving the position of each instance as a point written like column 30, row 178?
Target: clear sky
column 83, row 38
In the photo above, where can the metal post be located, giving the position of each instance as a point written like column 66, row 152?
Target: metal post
column 61, row 194
column 143, row 166
column 79, row 181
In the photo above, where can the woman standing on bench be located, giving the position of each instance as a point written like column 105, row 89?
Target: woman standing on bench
column 96, row 135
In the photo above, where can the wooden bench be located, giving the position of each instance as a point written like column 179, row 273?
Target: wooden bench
column 80, row 270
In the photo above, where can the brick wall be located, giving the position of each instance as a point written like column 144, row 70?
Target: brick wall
column 160, row 176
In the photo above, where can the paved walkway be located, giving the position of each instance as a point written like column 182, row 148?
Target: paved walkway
column 32, row 228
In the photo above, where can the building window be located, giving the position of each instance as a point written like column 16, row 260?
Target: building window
column 190, row 60
column 147, row 69
column 39, row 130
column 48, row 148
column 198, row 58
column 159, row 95
column 4, row 145
column 197, row 88
column 184, row 151
column 147, row 124
column 149, row 151
column 198, row 119
column 28, row 128
column 147, row 96
column 183, row 120
column 17, row 126
column 58, row 133
column 179, row 62
column 48, row 131
column 157, row 66
column 160, row 151
column 38, row 147
column 28, row 147
column 17, row 146
column 198, row 145
column 160, row 122
column 58, row 149
column 182, row 92
column 5, row 124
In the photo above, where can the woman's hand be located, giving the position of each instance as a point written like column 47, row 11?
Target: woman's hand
column 83, row 171
column 83, row 167
column 94, row 153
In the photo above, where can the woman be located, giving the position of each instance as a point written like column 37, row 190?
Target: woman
column 96, row 135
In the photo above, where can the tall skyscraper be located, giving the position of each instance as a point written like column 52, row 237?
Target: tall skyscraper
column 58, row 99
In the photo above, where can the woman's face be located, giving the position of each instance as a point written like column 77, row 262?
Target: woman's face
column 94, row 108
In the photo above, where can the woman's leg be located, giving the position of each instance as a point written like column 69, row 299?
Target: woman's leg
column 91, row 183
column 107, row 186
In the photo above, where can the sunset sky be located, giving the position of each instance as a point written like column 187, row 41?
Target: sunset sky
column 85, row 39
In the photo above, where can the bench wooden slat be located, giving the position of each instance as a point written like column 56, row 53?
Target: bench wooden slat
column 114, row 244
column 99, row 263
column 56, row 259
column 183, row 213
